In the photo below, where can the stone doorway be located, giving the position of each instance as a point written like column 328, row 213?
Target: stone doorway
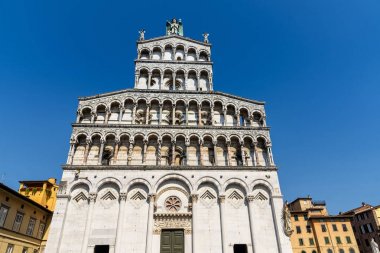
column 240, row 248
column 102, row 249
column 172, row 241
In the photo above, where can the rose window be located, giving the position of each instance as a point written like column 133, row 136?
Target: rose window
column 173, row 204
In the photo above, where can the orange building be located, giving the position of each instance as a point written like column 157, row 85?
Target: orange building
column 315, row 231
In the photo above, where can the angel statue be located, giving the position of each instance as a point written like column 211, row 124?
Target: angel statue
column 142, row 35
column 286, row 218
column 205, row 37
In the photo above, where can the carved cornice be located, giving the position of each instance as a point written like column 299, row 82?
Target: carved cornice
column 161, row 93
column 169, row 168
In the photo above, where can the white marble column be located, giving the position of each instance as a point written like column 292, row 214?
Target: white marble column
column 224, row 116
column 250, row 200
column 222, row 200
column 160, row 116
column 200, row 115
column 161, row 81
column 134, row 113
column 147, row 114
column 270, row 155
column 101, row 151
column 120, row 222
column 212, row 115
column 174, row 77
column 92, row 198
column 201, row 153
column 149, row 79
column 144, row 151
column 187, row 114
column 159, row 152
column 116, row 152
column 237, row 119
column 256, row 160
column 130, row 153
column 136, row 78
column 243, row 157
column 194, row 199
column 215, row 153
column 93, row 115
column 73, row 144
column 121, row 112
column 79, row 115
column 198, row 86
column 173, row 115
column 187, row 144
column 86, row 151
column 173, row 153
column 107, row 117
column 149, row 232
column 228, row 145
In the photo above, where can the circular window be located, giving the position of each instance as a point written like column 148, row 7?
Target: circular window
column 173, row 204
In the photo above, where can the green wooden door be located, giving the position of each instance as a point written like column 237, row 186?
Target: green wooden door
column 172, row 241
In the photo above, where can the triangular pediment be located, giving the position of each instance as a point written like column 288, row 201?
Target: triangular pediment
column 138, row 196
column 80, row 197
column 208, row 195
column 235, row 196
column 260, row 196
column 108, row 196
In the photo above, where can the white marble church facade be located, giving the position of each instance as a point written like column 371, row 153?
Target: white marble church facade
column 170, row 166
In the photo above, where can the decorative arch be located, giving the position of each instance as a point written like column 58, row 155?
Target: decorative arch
column 110, row 180
column 79, row 182
column 137, row 181
column 261, row 182
column 208, row 179
column 173, row 176
column 236, row 181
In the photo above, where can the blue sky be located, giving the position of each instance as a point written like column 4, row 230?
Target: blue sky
column 315, row 63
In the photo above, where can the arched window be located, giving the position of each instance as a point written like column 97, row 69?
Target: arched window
column 314, row 251
column 352, row 250
column 341, row 250
column 303, row 251
column 329, row 251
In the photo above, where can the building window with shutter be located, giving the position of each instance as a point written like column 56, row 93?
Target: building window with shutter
column 327, row 240
column 30, row 229
column 311, row 241
column 41, row 231
column 324, row 229
column 3, row 214
column 348, row 239
column 335, row 228
column 10, row 248
column 298, row 229
column 300, row 240
column 338, row 241
column 344, row 227
column 18, row 221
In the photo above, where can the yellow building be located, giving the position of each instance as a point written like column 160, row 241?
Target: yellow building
column 25, row 216
column 315, row 231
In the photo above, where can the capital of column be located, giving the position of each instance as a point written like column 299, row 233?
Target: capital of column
column 88, row 141
column 250, row 198
column 222, row 198
column 152, row 197
column 92, row 196
column 123, row 196
column 194, row 197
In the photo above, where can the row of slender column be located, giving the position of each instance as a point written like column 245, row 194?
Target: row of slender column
column 174, row 77
column 173, row 53
column 147, row 121
column 73, row 146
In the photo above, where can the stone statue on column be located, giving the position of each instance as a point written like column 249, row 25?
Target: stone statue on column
column 174, row 27
column 374, row 246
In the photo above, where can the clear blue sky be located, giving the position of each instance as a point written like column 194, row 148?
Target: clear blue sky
column 315, row 63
